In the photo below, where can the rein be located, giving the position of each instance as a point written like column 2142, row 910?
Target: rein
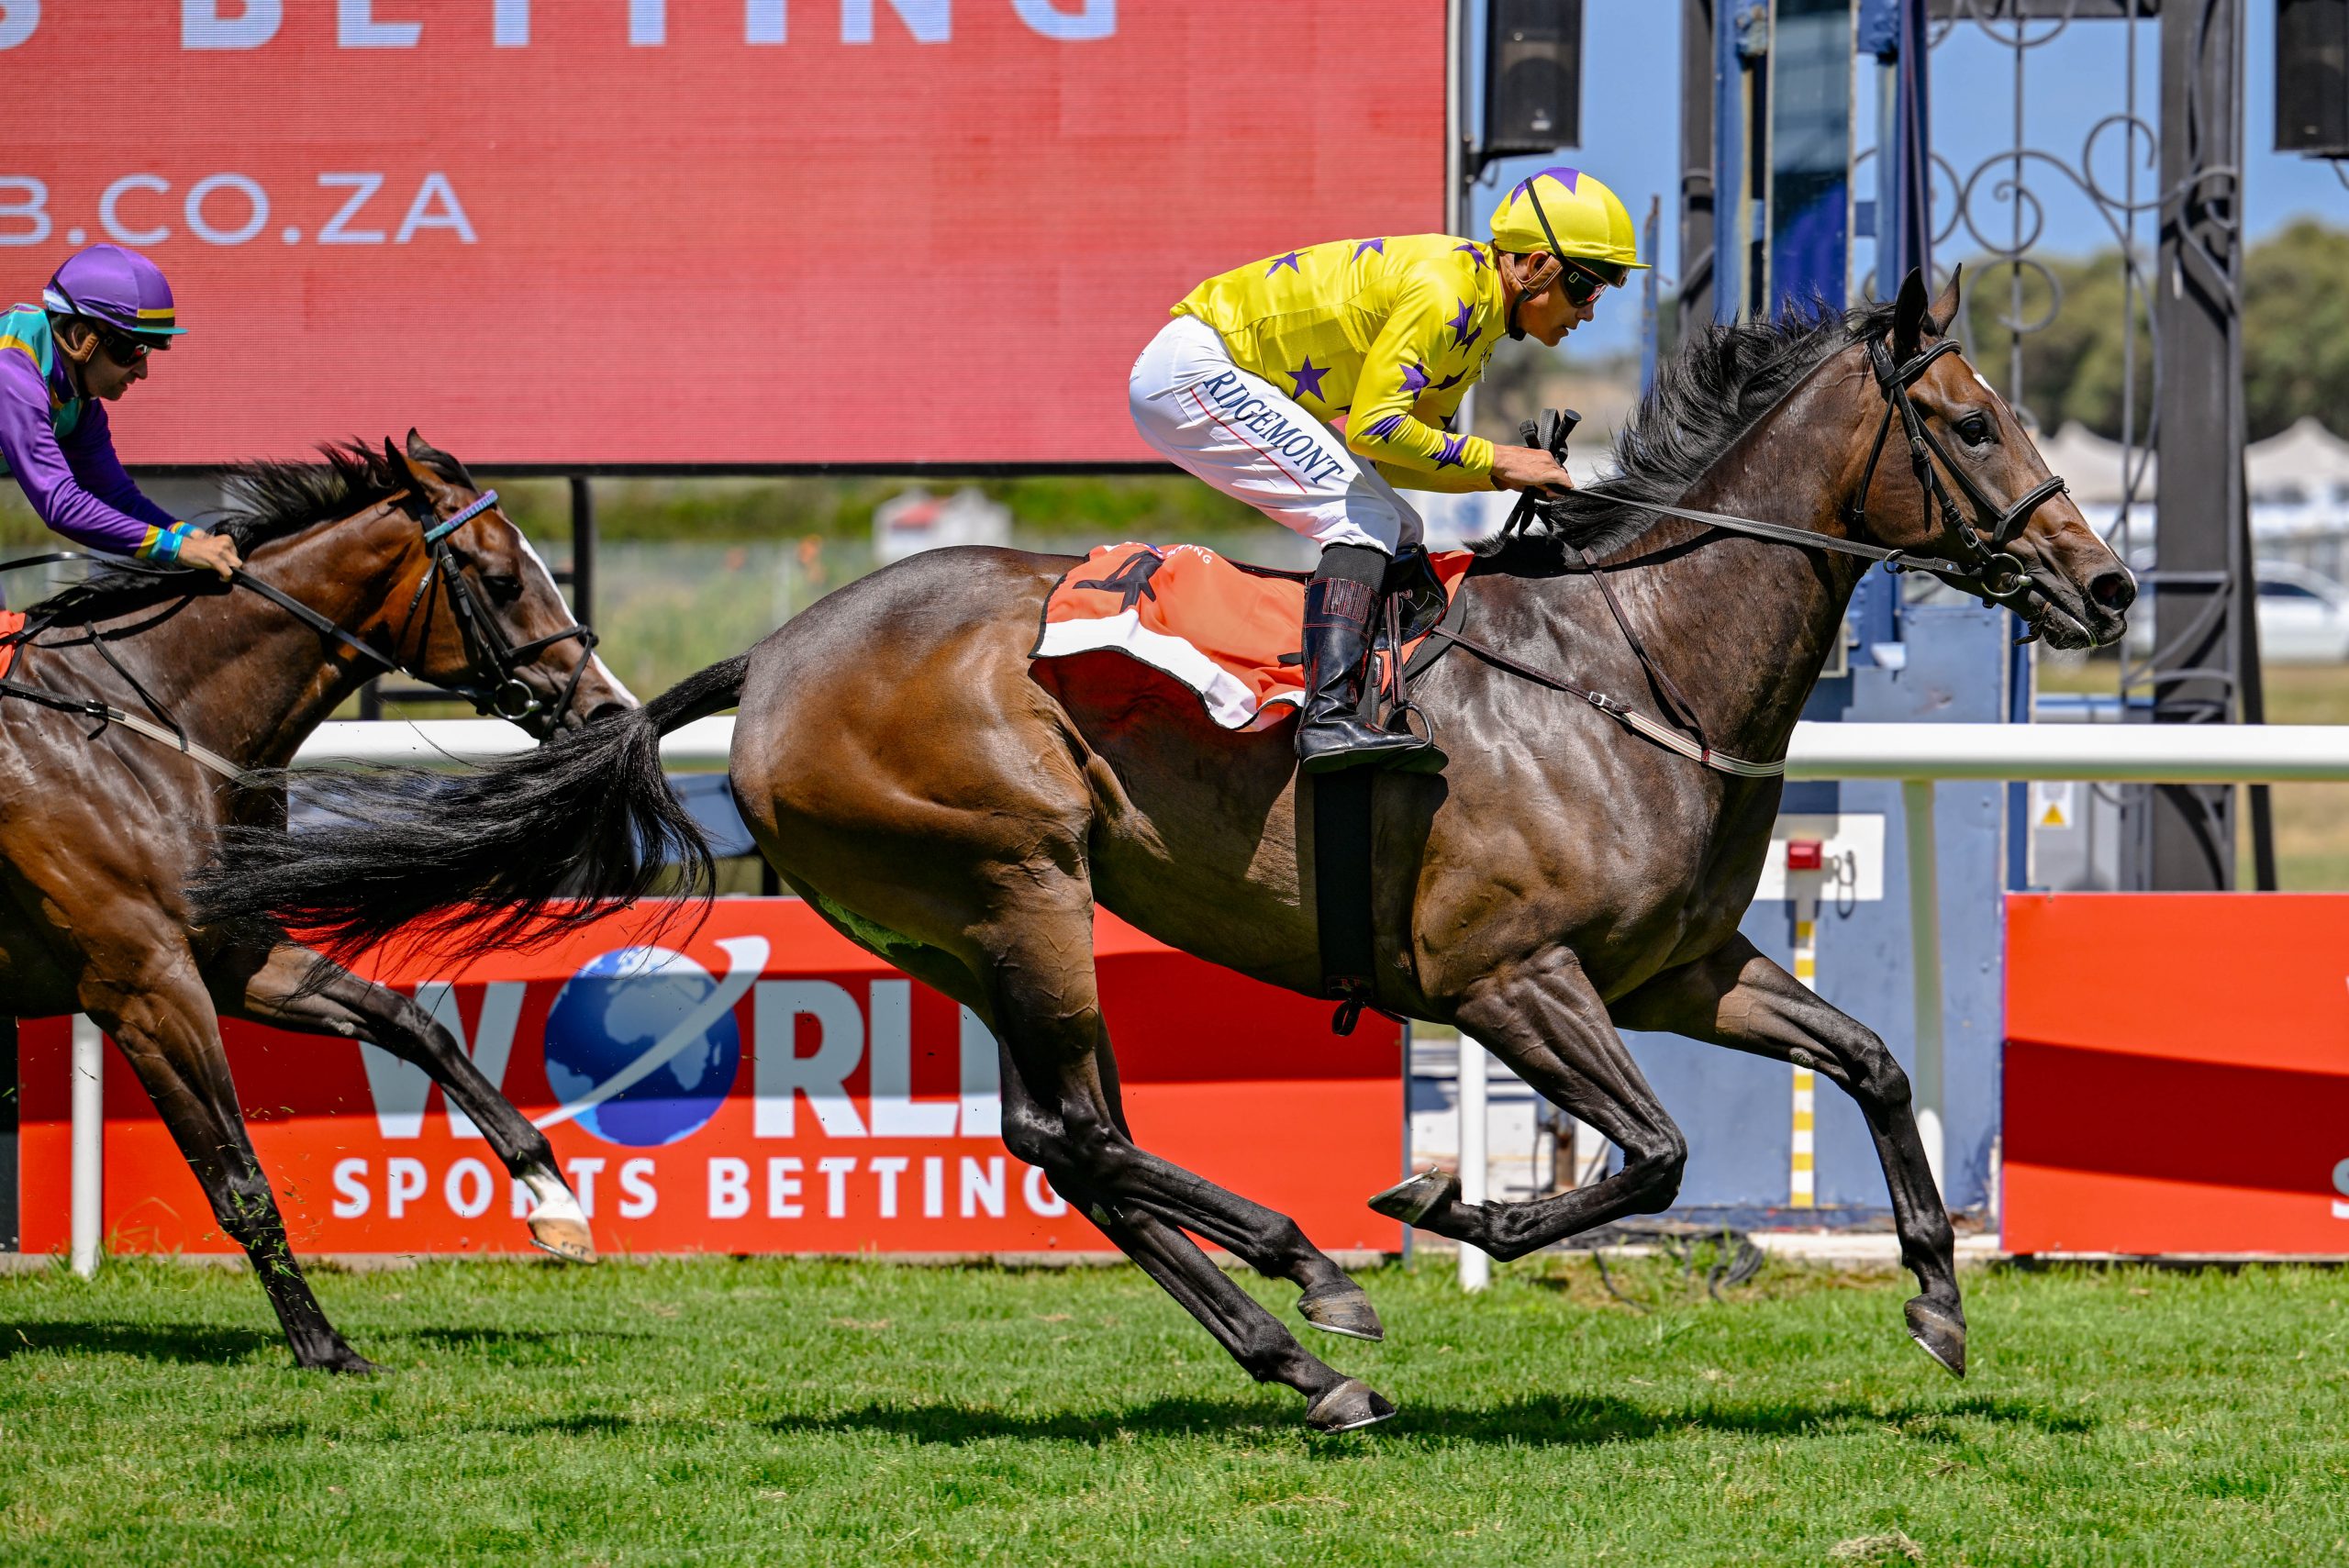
column 1988, row 570
column 492, row 657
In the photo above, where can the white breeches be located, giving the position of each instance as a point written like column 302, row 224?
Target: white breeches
column 1250, row 440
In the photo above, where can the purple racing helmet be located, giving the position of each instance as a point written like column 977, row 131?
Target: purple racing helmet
column 117, row 288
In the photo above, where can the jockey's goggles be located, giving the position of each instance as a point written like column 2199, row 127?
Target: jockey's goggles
column 122, row 347
column 1585, row 281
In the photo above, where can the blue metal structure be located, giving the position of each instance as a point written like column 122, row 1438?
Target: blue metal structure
column 1735, row 1109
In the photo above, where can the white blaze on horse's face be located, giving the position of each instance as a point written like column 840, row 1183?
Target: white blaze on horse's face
column 594, row 659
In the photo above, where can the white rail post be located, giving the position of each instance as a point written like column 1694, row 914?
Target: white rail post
column 89, row 1142
column 1475, row 1268
column 1925, row 963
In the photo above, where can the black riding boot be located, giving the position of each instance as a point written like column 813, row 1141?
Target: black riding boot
column 1338, row 615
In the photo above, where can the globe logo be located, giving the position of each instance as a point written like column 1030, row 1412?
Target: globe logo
column 642, row 1046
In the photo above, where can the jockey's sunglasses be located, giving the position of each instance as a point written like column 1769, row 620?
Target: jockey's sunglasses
column 1585, row 283
column 122, row 347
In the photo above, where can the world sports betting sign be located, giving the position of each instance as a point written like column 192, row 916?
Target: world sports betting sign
column 728, row 232
column 757, row 1085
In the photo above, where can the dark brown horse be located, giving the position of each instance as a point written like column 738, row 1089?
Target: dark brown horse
column 906, row 768
column 101, row 825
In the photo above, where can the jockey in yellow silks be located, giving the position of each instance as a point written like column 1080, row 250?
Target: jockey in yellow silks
column 1247, row 386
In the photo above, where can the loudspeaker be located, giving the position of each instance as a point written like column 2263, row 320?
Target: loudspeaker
column 1532, row 76
column 2312, row 77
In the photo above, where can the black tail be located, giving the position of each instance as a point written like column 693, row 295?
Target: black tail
column 489, row 853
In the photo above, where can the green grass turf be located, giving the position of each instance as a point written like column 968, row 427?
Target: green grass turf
column 821, row 1412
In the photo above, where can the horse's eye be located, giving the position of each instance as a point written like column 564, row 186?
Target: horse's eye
column 1974, row 430
column 502, row 589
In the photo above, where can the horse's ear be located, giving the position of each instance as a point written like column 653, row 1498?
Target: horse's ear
column 432, row 457
column 1944, row 312
column 435, row 489
column 1908, row 322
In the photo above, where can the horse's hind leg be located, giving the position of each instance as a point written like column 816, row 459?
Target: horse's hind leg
column 1544, row 1017
column 1268, row 1242
column 283, row 994
column 1265, row 1240
column 1058, row 1114
column 1738, row 998
column 172, row 1041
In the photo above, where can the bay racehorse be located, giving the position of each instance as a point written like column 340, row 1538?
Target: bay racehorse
column 144, row 710
column 962, row 812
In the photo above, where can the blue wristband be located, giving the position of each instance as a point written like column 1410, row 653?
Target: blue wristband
column 166, row 548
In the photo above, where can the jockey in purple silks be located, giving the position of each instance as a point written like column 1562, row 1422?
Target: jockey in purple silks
column 102, row 317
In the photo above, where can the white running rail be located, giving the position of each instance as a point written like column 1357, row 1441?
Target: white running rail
column 2142, row 753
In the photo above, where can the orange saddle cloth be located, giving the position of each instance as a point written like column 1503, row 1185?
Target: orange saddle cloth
column 11, row 623
column 1229, row 632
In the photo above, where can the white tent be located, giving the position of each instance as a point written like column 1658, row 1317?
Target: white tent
column 2092, row 465
column 2306, row 465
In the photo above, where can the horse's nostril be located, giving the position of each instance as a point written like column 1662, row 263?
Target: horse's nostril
column 2114, row 591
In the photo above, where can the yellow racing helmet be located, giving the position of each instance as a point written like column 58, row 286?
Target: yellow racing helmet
column 1574, row 217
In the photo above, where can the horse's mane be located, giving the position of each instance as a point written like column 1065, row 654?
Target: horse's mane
column 267, row 498
column 1721, row 381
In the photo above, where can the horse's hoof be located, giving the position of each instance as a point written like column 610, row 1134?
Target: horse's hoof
column 566, row 1238
column 1939, row 1333
column 1344, row 1309
column 1347, row 1405
column 1414, row 1200
column 344, row 1361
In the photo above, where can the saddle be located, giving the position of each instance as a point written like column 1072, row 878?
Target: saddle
column 1229, row 630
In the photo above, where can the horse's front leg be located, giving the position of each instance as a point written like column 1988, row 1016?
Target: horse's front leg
column 295, row 989
column 1543, row 1017
column 164, row 1023
column 1737, row 997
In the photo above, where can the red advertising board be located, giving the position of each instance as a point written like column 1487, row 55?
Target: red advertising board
column 761, row 1085
column 2177, row 1073
column 654, row 232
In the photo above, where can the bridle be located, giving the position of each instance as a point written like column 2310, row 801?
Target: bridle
column 493, row 658
column 1983, row 564
column 1986, row 566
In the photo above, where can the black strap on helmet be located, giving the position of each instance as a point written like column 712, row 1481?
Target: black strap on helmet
column 1557, row 254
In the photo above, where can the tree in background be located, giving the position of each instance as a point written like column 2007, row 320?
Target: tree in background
column 2296, row 329
column 2296, row 335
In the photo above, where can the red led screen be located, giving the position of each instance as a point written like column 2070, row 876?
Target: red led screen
column 694, row 231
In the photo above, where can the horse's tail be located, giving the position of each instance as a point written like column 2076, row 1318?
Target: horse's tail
column 498, row 853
